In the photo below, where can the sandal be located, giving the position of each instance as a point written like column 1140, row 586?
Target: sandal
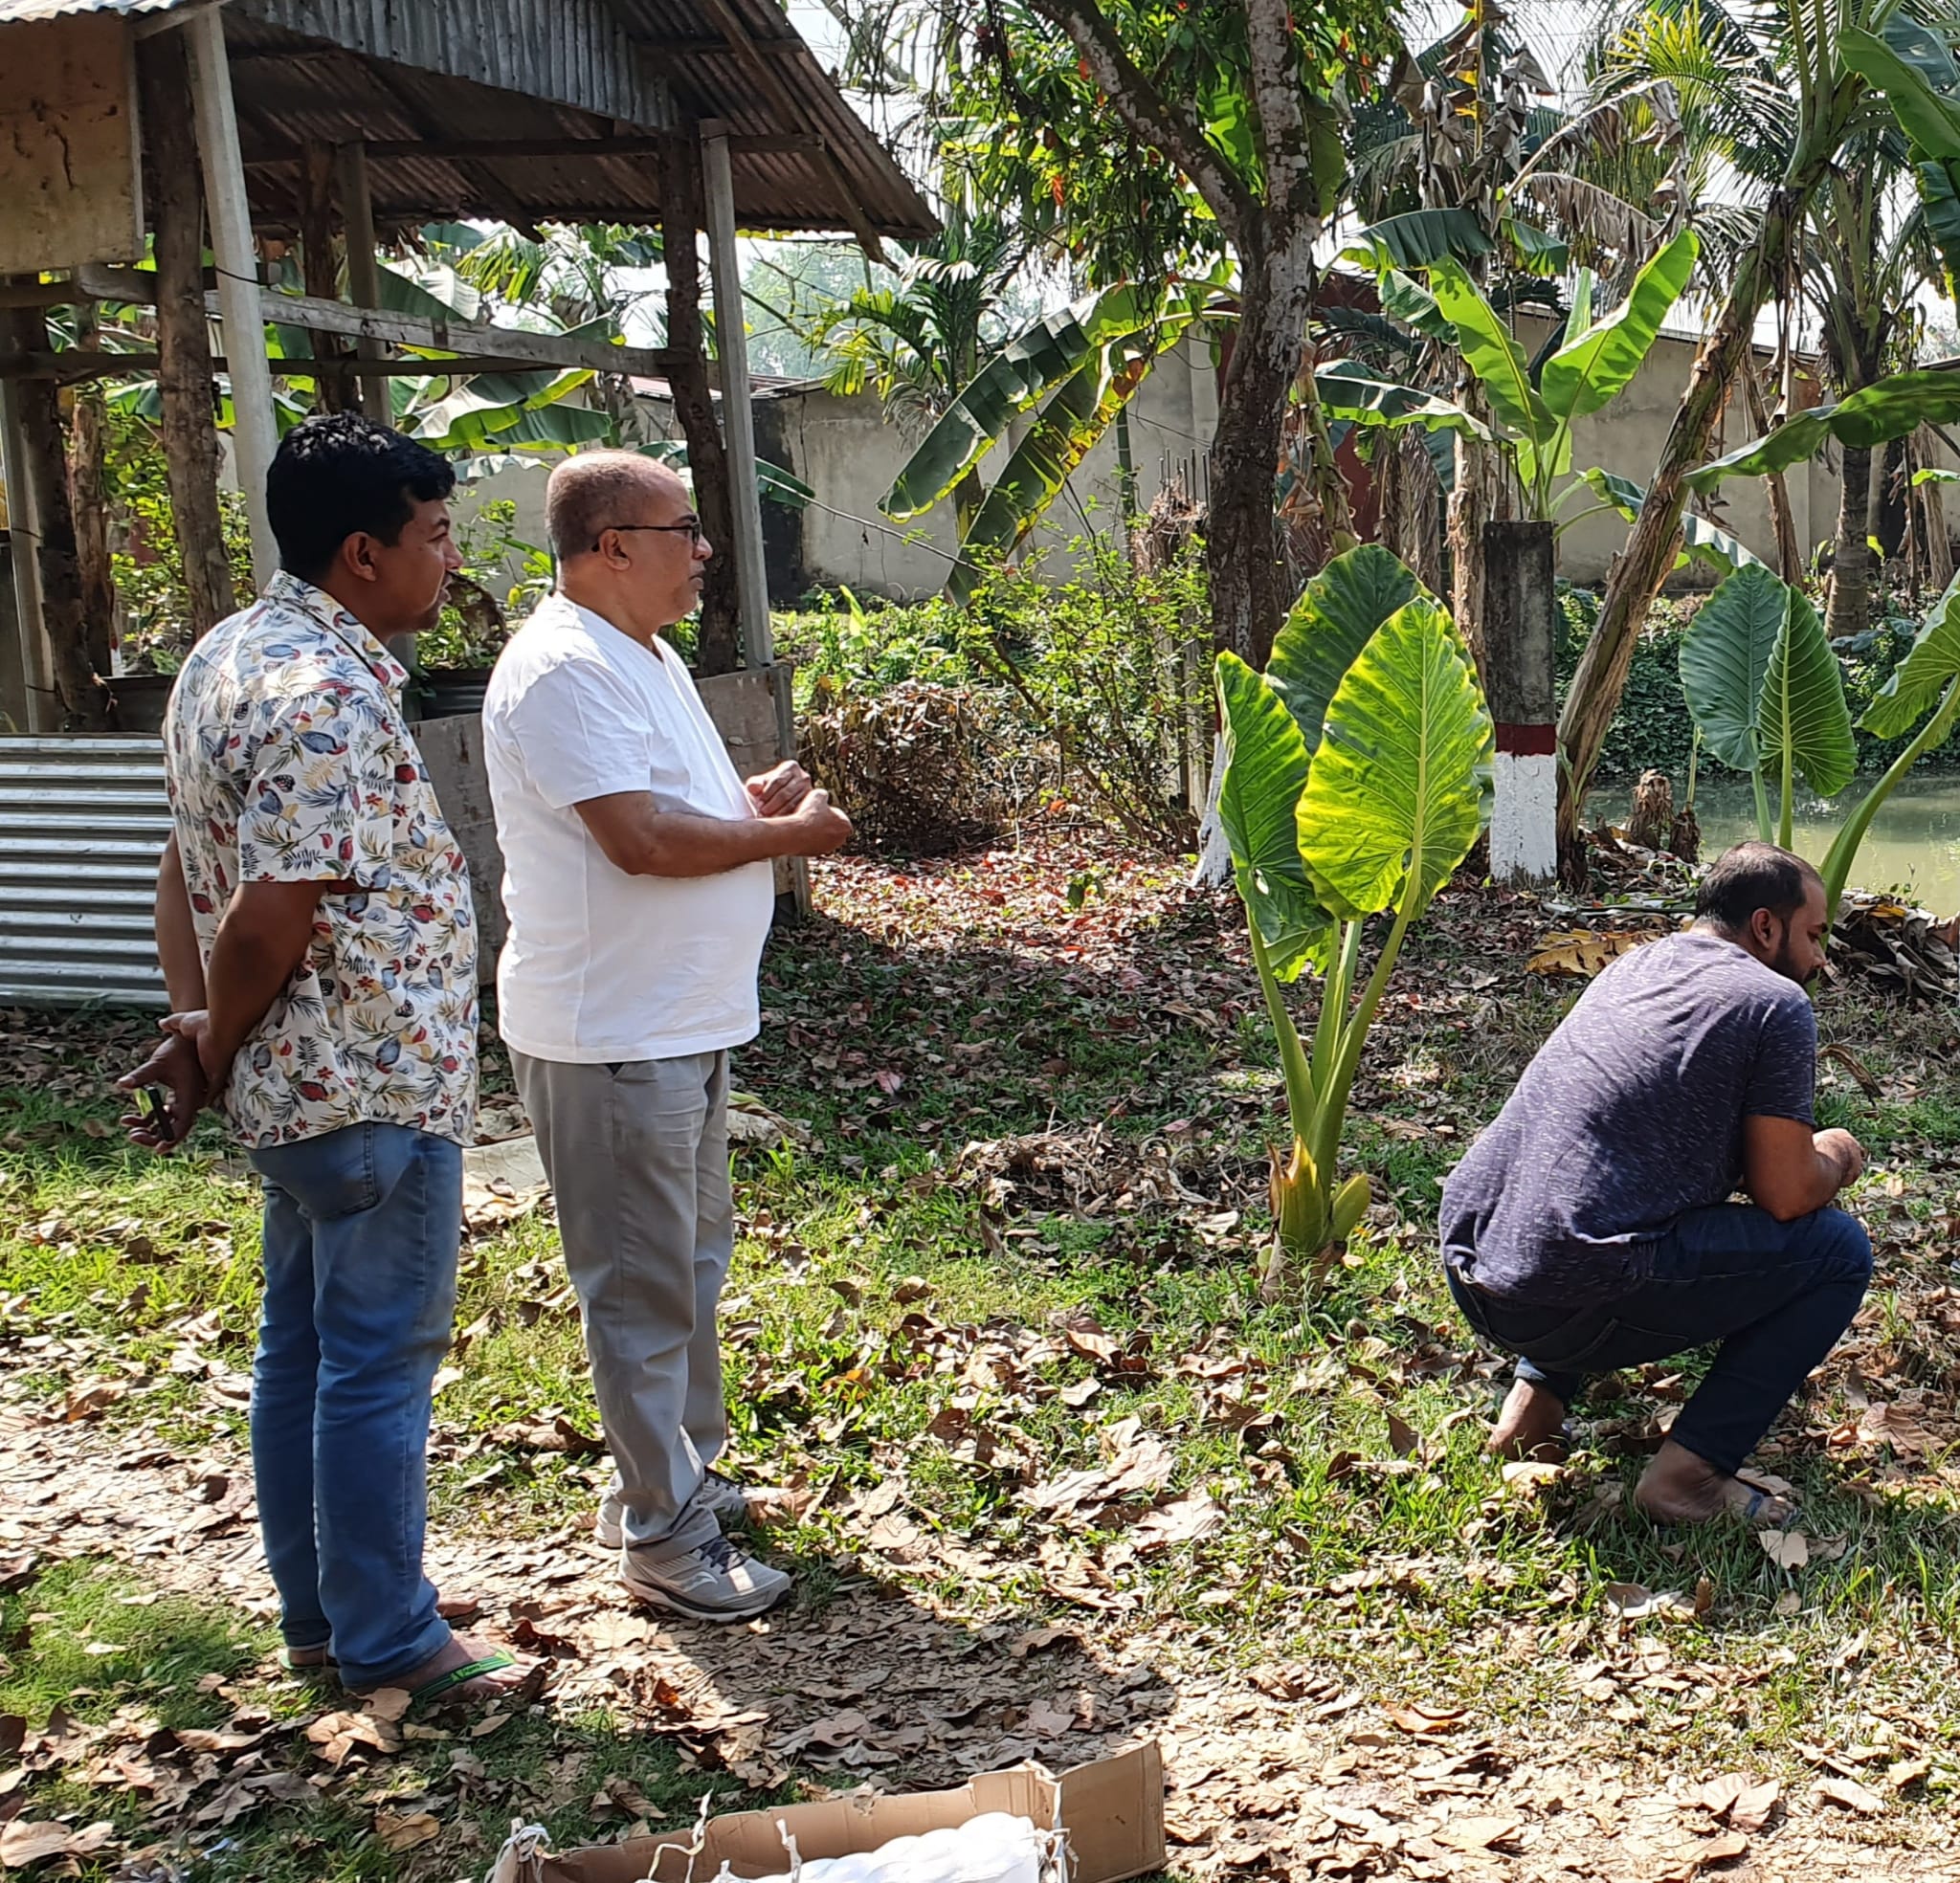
column 325, row 1665
column 442, row 1690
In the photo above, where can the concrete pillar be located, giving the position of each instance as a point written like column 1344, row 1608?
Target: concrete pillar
column 1520, row 636
column 255, row 429
column 738, row 420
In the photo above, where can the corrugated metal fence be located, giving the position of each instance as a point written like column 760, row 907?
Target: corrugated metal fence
column 82, row 822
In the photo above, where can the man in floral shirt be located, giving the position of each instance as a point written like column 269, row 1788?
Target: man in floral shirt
column 314, row 924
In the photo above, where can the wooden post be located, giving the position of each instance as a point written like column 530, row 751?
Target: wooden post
column 334, row 390
column 364, row 272
column 1519, row 633
column 738, row 420
column 88, row 499
column 255, row 431
column 188, row 424
column 43, row 709
column 717, row 640
column 83, row 703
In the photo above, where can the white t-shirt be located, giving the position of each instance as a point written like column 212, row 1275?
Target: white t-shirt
column 601, row 966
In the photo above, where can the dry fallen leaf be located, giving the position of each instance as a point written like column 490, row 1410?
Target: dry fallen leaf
column 1183, row 1521
column 1037, row 1639
column 398, row 1833
column 1717, row 1796
column 1477, row 1833
column 1402, row 1437
column 1789, row 1603
column 1632, row 1602
column 1752, row 1809
column 1786, row 1549
column 1907, row 1773
column 1851, row 1796
column 1426, row 1722
column 1048, row 1721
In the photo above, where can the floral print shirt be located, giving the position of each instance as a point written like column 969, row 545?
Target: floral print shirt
column 289, row 761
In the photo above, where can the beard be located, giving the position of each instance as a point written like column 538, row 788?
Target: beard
column 1784, row 962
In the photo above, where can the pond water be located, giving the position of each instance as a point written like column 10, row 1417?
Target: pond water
column 1913, row 844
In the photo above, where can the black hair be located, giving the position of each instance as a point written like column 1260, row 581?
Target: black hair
column 1753, row 875
column 339, row 475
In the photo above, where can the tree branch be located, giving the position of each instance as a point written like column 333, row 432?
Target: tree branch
column 1158, row 121
column 1275, row 88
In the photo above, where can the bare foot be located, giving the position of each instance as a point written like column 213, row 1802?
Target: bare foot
column 1680, row 1488
column 458, row 1651
column 1530, row 1425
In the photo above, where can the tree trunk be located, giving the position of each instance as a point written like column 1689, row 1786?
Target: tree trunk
column 88, row 498
column 333, row 392
column 1412, row 505
column 184, row 389
column 1847, row 603
column 1638, row 572
column 718, row 641
column 1782, row 518
column 85, row 700
column 1480, row 495
column 1243, row 552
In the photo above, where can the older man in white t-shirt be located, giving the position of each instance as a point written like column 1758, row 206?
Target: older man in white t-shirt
column 639, row 884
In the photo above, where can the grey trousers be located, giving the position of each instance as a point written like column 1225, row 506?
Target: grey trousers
column 637, row 1155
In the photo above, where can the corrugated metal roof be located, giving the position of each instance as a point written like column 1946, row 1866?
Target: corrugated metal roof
column 12, row 11
column 82, row 822
column 522, row 70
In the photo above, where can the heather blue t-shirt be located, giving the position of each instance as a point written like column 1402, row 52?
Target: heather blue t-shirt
column 1630, row 1116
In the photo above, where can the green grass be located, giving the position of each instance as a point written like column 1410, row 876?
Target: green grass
column 896, row 1309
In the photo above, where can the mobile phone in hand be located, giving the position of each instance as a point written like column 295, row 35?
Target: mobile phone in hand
column 155, row 1111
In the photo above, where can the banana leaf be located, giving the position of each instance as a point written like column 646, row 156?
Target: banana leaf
column 1031, row 364
column 1700, row 539
column 1350, row 391
column 1891, row 407
column 1590, row 370
column 1490, row 352
column 1419, row 239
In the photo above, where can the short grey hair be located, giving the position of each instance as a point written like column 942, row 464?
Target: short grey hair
column 593, row 490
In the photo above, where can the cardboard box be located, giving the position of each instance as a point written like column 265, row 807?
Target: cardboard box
column 1113, row 1812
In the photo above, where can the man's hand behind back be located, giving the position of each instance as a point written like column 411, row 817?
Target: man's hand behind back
column 176, row 1066
column 1844, row 1150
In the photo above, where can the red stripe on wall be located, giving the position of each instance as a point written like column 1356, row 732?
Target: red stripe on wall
column 1526, row 741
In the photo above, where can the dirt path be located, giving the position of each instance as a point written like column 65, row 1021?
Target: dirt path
column 1270, row 1773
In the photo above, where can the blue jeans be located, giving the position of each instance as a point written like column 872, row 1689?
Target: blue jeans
column 1773, row 1298
column 362, row 1228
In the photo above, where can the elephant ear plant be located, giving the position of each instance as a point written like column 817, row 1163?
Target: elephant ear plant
column 1354, row 785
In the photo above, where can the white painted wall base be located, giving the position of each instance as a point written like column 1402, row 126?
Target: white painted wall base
column 1524, row 831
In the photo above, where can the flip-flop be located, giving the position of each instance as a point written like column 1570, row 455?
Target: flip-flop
column 444, row 1686
column 1753, row 1511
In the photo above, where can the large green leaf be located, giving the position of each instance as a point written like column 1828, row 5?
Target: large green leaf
column 1939, row 198
column 1063, row 434
column 1891, row 407
column 1413, row 304
column 1350, row 391
column 1535, row 252
column 1490, row 352
column 1930, row 664
column 1265, row 771
column 1394, row 796
column 1420, row 238
column 1724, row 656
column 1911, row 66
column 1335, row 617
column 1030, row 365
column 1803, row 724
column 1704, row 542
column 1587, row 372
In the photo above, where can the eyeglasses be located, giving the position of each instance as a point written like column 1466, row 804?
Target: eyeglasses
column 691, row 529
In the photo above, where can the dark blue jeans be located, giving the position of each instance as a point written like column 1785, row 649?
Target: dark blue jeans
column 362, row 1228
column 1773, row 1298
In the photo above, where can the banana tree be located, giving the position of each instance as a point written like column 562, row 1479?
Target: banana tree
column 1534, row 410
column 1766, row 692
column 1080, row 366
column 1357, row 765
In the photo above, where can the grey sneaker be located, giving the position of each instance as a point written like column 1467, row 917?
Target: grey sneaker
column 717, row 1581
column 721, row 1497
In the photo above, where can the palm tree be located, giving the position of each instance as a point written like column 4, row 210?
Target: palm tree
column 922, row 338
column 1791, row 103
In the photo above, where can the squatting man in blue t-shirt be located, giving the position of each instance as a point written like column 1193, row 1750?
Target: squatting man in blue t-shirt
column 1590, row 1228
